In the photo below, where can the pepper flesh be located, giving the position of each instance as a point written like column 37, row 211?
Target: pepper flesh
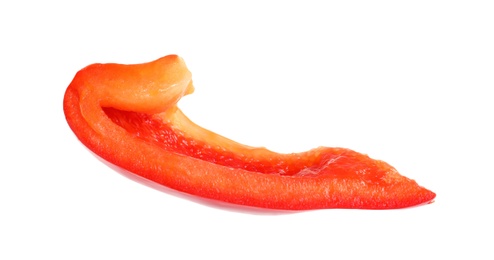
column 128, row 115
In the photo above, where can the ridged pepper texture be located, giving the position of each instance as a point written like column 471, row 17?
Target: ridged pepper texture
column 128, row 115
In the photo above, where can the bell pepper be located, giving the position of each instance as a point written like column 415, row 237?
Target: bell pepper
column 128, row 115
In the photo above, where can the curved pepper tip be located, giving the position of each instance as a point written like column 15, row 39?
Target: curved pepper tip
column 127, row 115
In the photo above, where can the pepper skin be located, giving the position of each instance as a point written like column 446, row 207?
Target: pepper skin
column 127, row 115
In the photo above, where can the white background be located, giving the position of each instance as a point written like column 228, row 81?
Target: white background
column 410, row 83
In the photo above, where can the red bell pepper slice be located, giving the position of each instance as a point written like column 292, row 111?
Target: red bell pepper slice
column 127, row 115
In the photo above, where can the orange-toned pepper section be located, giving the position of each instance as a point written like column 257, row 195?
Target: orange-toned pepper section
column 128, row 115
